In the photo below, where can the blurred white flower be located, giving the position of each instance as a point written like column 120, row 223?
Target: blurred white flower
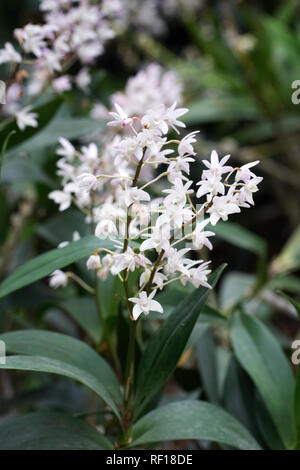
column 106, row 228
column 62, row 84
column 58, row 279
column 9, row 54
column 25, row 118
column 120, row 117
column 93, row 262
column 66, row 150
column 62, row 198
column 86, row 181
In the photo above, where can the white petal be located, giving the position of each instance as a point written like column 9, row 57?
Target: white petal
column 147, row 245
column 156, row 307
column 136, row 312
column 214, row 218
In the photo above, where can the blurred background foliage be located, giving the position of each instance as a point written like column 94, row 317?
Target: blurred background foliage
column 238, row 60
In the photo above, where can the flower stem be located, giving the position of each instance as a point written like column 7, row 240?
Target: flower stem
column 129, row 376
column 106, row 334
column 80, row 282
column 130, row 361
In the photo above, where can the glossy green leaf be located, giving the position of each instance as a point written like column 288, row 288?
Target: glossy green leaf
column 56, row 353
column 234, row 287
column 261, row 356
column 110, row 290
column 264, row 130
column 23, row 169
column 191, row 420
column 238, row 396
column 289, row 283
column 61, row 226
column 52, row 366
column 241, row 237
column 84, row 311
column 45, row 264
column 223, row 357
column 292, row 301
column 221, row 108
column 265, row 424
column 162, row 353
column 289, row 258
column 49, row 430
column 206, row 356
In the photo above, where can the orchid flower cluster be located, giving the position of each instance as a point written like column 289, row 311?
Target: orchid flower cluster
column 150, row 87
column 73, row 31
column 108, row 186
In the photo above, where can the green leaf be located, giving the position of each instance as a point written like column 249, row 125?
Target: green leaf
column 162, row 353
column 221, row 108
column 241, row 237
column 289, row 258
column 56, row 353
column 238, row 395
column 61, row 226
column 211, row 316
column 287, row 10
column 69, row 128
column 287, row 282
column 234, row 287
column 84, row 311
column 4, row 147
column 191, row 420
column 45, row 264
column 206, row 355
column 172, row 295
column 261, row 356
column 297, row 403
column 45, row 113
column 262, row 131
column 107, row 290
column 265, row 424
column 292, row 301
column 223, row 357
column 23, row 169
column 49, row 430
column 60, row 367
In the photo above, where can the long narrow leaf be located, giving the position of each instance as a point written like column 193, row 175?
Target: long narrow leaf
column 45, row 264
column 261, row 356
column 61, row 354
column 192, row 420
column 49, row 430
column 164, row 350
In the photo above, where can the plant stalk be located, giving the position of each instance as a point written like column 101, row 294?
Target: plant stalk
column 129, row 376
